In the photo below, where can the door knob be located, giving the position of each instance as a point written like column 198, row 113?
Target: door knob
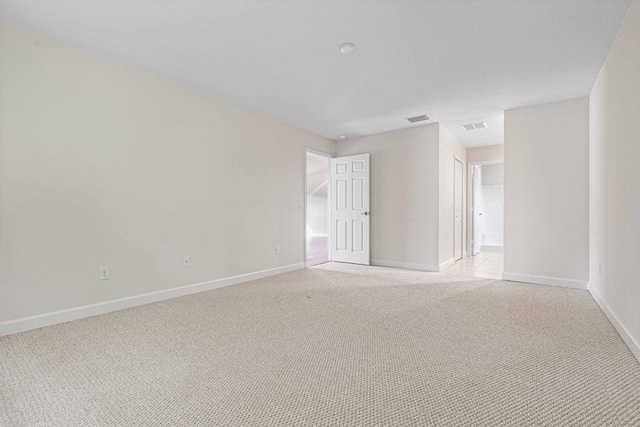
column 364, row 213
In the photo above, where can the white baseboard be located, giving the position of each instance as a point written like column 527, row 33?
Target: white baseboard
column 543, row 280
column 413, row 265
column 624, row 333
column 447, row 263
column 34, row 322
column 405, row 265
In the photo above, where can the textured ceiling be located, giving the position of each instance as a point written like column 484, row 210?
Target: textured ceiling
column 458, row 61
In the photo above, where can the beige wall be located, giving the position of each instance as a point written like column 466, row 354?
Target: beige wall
column 404, row 194
column 103, row 164
column 615, row 181
column 546, row 175
column 450, row 149
column 491, row 152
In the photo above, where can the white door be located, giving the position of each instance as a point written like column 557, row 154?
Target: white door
column 350, row 216
column 476, row 208
column 457, row 207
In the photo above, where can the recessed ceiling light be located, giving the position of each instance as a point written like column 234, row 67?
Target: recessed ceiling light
column 343, row 137
column 347, row 48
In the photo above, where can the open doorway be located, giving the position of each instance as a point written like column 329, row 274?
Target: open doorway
column 487, row 218
column 317, row 208
column 458, row 197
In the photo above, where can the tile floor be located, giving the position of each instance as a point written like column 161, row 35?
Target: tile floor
column 487, row 264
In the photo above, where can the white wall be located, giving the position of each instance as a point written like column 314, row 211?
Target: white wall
column 546, row 173
column 614, row 226
column 404, row 194
column 450, row 149
column 490, row 152
column 104, row 164
column 493, row 174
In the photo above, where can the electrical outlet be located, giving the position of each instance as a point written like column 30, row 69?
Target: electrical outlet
column 277, row 250
column 104, row 273
column 376, row 245
column 186, row 261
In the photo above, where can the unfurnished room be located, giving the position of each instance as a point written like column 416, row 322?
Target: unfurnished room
column 319, row 213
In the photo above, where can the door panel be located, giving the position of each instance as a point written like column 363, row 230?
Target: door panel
column 341, row 194
column 350, row 216
column 357, row 195
column 341, row 235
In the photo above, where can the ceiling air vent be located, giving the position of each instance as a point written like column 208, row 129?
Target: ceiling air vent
column 416, row 119
column 474, row 126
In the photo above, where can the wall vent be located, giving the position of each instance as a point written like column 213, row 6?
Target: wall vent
column 474, row 126
column 416, row 119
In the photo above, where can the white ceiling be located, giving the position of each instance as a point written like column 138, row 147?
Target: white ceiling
column 458, row 61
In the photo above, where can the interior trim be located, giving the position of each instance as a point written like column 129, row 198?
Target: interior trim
column 544, row 280
column 405, row 265
column 624, row 333
column 34, row 322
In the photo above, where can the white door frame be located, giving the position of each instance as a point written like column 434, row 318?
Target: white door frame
column 462, row 245
column 470, row 222
column 328, row 156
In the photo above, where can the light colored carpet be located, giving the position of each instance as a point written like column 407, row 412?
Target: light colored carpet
column 336, row 345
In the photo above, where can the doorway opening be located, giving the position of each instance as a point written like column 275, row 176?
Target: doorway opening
column 317, row 208
column 487, row 218
column 458, row 197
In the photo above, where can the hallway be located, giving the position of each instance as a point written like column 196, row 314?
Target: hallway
column 487, row 264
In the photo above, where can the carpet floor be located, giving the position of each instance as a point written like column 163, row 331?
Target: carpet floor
column 336, row 345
